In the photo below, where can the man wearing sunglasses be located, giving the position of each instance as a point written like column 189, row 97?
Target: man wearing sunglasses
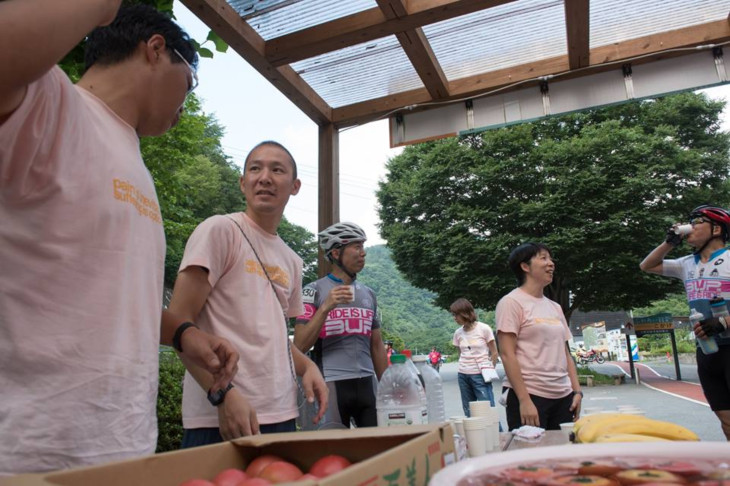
column 82, row 245
column 706, row 274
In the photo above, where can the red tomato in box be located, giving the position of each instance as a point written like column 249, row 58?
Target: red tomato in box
column 229, row 477
column 257, row 465
column 328, row 465
column 281, row 472
column 254, row 482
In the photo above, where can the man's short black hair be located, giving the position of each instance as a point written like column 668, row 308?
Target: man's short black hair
column 272, row 143
column 117, row 41
column 523, row 254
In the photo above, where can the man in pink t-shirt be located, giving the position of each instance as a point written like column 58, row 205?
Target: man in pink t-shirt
column 542, row 381
column 238, row 279
column 82, row 246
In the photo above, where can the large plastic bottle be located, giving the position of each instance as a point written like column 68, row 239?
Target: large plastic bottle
column 434, row 391
column 708, row 345
column 401, row 398
column 718, row 305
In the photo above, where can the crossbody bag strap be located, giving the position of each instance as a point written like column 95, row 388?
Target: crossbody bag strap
column 261, row 264
column 283, row 313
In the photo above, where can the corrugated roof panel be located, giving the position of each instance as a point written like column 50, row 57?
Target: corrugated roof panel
column 359, row 73
column 619, row 20
column 275, row 18
column 512, row 34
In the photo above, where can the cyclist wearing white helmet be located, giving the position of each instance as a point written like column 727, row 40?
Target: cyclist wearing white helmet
column 341, row 321
column 706, row 274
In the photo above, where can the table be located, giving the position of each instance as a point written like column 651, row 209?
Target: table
column 551, row 438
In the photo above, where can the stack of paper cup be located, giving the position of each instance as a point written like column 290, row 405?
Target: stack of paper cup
column 484, row 409
column 476, row 435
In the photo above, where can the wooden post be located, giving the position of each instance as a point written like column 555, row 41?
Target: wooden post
column 676, row 356
column 329, row 185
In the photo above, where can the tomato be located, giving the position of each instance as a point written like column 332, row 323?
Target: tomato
column 197, row 482
column 229, row 477
column 308, row 476
column 254, row 482
column 257, row 465
column 281, row 472
column 328, row 465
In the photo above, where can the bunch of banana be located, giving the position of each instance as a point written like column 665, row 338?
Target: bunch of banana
column 617, row 427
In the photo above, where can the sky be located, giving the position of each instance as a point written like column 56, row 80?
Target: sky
column 251, row 110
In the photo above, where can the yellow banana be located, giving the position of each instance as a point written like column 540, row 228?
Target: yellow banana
column 645, row 426
column 594, row 428
column 587, row 419
column 629, row 438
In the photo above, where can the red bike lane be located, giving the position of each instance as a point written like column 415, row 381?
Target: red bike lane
column 651, row 379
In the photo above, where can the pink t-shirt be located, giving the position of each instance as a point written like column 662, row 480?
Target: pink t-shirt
column 541, row 332
column 473, row 348
column 243, row 309
column 82, row 253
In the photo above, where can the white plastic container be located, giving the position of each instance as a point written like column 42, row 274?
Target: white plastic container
column 401, row 398
column 434, row 391
column 708, row 345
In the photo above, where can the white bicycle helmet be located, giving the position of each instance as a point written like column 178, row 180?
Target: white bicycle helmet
column 339, row 235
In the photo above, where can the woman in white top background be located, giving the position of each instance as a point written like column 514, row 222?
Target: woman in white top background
column 477, row 350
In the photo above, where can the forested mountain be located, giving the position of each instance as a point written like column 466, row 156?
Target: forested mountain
column 406, row 311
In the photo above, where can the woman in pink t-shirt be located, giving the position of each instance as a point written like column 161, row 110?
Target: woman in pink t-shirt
column 477, row 350
column 542, row 383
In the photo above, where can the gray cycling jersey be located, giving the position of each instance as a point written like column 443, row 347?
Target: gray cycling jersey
column 342, row 350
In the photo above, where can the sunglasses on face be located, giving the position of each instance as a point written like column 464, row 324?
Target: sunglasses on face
column 696, row 221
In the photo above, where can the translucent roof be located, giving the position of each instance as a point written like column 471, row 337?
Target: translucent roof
column 360, row 72
column 274, row 18
column 618, row 20
column 499, row 37
column 348, row 61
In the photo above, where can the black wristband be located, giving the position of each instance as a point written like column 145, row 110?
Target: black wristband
column 178, row 335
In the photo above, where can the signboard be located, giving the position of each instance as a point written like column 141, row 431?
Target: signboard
column 559, row 95
column 657, row 324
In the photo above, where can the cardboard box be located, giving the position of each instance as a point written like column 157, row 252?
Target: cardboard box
column 406, row 455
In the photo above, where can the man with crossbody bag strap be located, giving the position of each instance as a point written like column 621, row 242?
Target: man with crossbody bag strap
column 238, row 279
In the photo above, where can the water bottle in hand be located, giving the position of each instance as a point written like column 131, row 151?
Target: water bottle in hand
column 708, row 345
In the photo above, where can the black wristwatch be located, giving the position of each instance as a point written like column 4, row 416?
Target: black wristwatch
column 218, row 397
column 579, row 392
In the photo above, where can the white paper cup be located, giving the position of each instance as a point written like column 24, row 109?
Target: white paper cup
column 567, row 427
column 683, row 229
column 475, row 429
column 458, row 424
column 479, row 409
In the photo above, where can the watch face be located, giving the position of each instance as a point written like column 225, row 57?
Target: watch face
column 217, row 398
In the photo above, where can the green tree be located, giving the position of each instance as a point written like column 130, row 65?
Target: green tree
column 675, row 304
column 598, row 187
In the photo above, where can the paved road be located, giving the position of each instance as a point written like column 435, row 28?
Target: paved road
column 658, row 403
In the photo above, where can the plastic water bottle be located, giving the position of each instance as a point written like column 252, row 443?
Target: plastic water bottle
column 401, row 398
column 718, row 305
column 708, row 345
column 434, row 391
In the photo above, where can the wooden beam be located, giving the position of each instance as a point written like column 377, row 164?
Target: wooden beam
column 578, row 32
column 329, row 185
column 654, row 46
column 222, row 19
column 366, row 26
column 418, row 50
